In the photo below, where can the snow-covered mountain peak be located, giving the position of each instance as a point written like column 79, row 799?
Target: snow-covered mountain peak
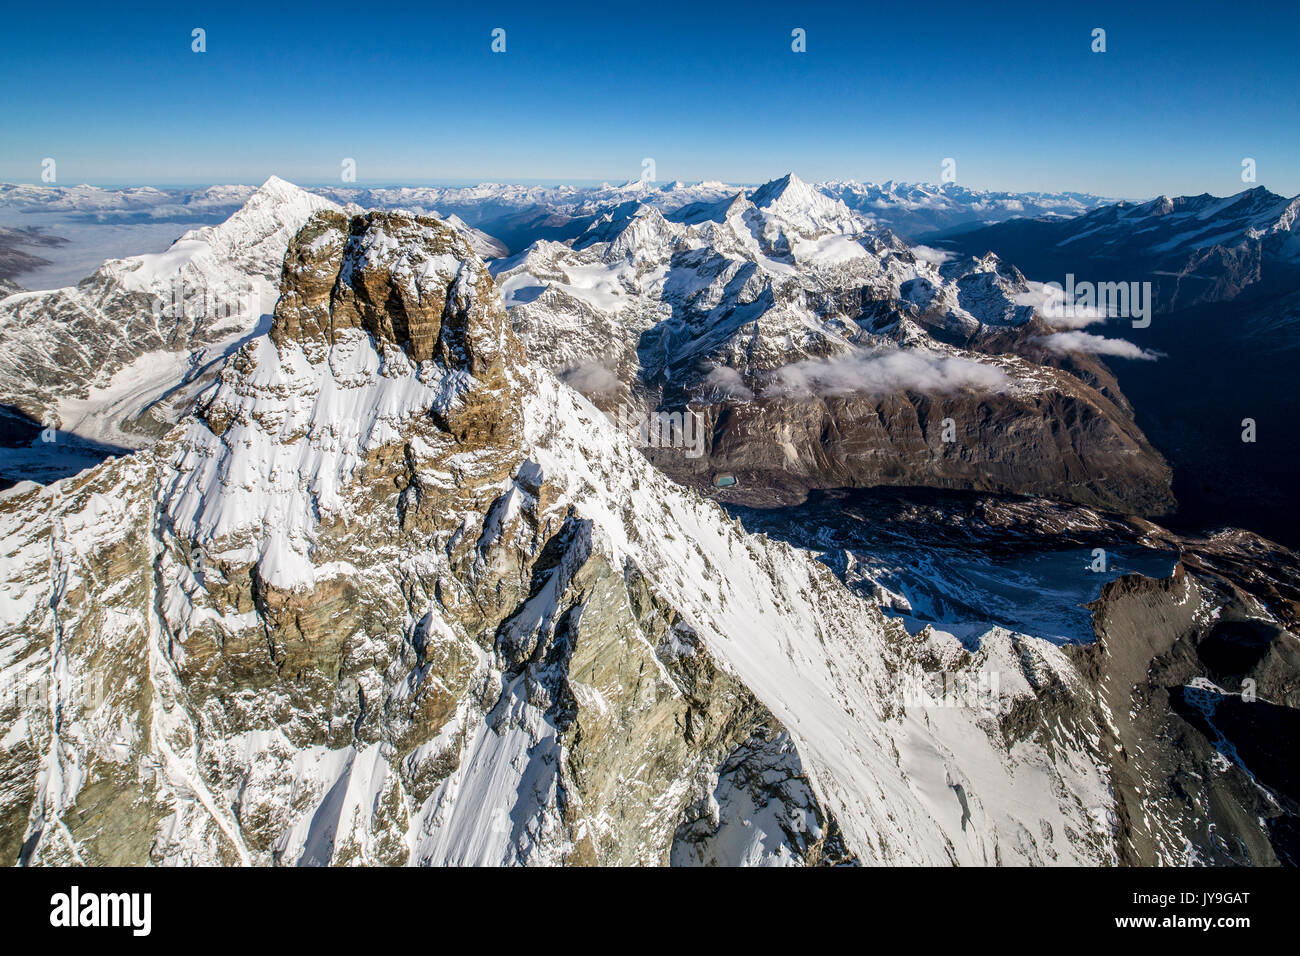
column 259, row 231
column 788, row 187
column 788, row 210
column 274, row 185
column 793, row 199
column 390, row 598
column 1257, row 207
column 159, row 320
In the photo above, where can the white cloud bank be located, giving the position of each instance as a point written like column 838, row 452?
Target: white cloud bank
column 880, row 373
column 728, row 381
column 1063, row 342
column 1049, row 303
column 591, row 379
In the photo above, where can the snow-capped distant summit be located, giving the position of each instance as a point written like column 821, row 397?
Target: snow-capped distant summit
column 279, row 188
column 92, row 358
column 751, row 307
column 789, row 189
column 918, row 210
column 805, row 208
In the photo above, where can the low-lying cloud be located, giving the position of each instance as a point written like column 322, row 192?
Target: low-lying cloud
column 728, row 381
column 880, row 373
column 1063, row 342
column 1049, row 303
column 592, row 379
column 933, row 256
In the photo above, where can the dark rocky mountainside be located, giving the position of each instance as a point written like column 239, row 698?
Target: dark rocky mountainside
column 1220, row 403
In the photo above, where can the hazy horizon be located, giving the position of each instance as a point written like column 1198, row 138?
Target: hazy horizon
column 598, row 183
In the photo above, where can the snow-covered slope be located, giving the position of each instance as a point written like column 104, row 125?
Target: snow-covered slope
column 140, row 334
column 818, row 352
column 392, row 595
column 483, row 245
column 918, row 784
column 915, row 210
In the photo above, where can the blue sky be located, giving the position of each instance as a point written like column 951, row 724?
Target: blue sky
column 583, row 92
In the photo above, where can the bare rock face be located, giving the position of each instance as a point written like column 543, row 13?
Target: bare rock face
column 1070, row 443
column 409, row 281
column 1198, row 676
column 412, row 283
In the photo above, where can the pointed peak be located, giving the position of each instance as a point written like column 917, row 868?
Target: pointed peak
column 275, row 186
column 275, row 207
column 1258, row 195
column 788, row 185
column 278, row 194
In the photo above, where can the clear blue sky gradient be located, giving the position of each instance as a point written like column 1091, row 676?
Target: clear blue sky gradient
column 583, row 92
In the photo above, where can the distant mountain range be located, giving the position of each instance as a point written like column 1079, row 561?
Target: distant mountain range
column 336, row 536
column 919, row 210
column 1193, row 249
column 516, row 215
column 819, row 351
column 519, row 214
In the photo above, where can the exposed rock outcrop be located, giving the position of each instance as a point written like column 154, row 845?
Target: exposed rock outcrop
column 1199, row 675
column 392, row 596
